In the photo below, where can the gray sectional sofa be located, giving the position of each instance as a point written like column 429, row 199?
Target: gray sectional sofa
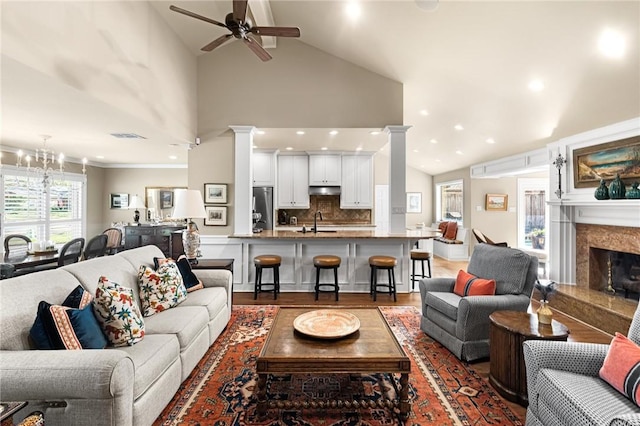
column 115, row 386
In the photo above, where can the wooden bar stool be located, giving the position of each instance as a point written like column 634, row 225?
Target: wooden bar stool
column 421, row 256
column 267, row 261
column 383, row 262
column 326, row 261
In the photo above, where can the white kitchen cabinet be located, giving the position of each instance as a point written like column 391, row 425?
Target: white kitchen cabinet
column 264, row 169
column 293, row 182
column 357, row 182
column 325, row 169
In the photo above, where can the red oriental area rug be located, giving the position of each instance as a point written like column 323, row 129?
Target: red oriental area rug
column 443, row 390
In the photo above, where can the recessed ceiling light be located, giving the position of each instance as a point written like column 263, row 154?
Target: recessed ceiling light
column 289, row 148
column 375, row 132
column 333, row 132
column 490, row 140
column 359, row 148
column 459, row 152
column 422, row 165
column 437, row 160
column 415, row 150
column 353, row 10
column 433, row 141
column 173, row 157
column 612, row 44
column 458, row 127
column 424, row 112
column 100, row 157
column 255, row 146
column 536, row 85
column 324, row 148
column 260, row 132
column 299, row 132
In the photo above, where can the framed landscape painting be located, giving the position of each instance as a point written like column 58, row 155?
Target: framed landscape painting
column 604, row 161
column 166, row 199
column 216, row 216
column 215, row 193
column 119, row 201
column 496, row 202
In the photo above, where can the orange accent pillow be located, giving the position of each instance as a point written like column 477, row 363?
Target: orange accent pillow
column 442, row 227
column 470, row 285
column 621, row 367
column 452, row 231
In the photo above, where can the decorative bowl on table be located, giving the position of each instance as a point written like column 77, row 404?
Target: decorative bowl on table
column 327, row 323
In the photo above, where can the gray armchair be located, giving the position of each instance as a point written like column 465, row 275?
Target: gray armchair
column 564, row 387
column 461, row 324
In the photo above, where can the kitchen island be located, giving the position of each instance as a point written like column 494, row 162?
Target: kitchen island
column 297, row 250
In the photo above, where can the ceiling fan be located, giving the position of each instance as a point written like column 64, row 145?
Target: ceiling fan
column 241, row 28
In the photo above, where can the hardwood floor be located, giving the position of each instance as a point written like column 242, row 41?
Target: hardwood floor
column 579, row 331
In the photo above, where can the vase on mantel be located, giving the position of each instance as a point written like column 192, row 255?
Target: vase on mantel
column 545, row 315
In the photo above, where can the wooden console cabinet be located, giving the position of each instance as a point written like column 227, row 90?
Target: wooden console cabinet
column 144, row 235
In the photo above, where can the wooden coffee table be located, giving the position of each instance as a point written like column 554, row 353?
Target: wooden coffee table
column 508, row 330
column 372, row 349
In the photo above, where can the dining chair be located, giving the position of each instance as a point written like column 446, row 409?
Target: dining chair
column 114, row 240
column 96, row 247
column 16, row 243
column 483, row 239
column 71, row 252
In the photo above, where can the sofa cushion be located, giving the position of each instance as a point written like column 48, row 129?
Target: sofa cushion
column 621, row 368
column 451, row 232
column 444, row 302
column 509, row 267
column 160, row 289
column 580, row 400
column 214, row 299
column 68, row 328
column 151, row 358
column 118, row 313
column 191, row 282
column 469, row 285
column 442, row 227
column 186, row 322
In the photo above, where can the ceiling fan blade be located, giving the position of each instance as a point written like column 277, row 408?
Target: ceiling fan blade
column 240, row 10
column 277, row 31
column 195, row 15
column 217, row 42
column 257, row 49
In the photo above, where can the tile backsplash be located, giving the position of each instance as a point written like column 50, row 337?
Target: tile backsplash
column 329, row 205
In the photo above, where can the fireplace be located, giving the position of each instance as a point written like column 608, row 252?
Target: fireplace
column 608, row 257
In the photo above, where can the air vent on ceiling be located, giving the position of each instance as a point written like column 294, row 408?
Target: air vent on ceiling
column 127, row 136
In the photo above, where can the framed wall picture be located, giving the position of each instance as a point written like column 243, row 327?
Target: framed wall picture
column 215, row 193
column 119, row 201
column 216, row 216
column 166, row 199
column 414, row 202
column 604, row 161
column 496, row 202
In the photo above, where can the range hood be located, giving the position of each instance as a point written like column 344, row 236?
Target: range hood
column 324, row 190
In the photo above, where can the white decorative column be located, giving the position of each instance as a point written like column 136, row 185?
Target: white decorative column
column 243, row 193
column 397, row 178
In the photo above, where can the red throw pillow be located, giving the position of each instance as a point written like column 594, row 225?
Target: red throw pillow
column 621, row 368
column 452, row 231
column 470, row 285
column 442, row 227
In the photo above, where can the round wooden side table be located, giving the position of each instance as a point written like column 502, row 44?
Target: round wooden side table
column 508, row 330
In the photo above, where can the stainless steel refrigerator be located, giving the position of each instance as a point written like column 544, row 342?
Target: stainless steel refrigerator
column 263, row 204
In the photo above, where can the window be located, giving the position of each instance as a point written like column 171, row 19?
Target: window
column 449, row 201
column 57, row 215
column 532, row 213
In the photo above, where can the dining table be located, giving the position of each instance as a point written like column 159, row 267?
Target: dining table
column 25, row 260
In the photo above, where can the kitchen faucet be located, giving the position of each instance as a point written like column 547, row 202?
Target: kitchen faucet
column 315, row 221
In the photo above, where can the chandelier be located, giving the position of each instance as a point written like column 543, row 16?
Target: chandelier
column 45, row 162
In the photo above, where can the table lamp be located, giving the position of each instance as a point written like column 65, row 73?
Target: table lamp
column 188, row 205
column 136, row 204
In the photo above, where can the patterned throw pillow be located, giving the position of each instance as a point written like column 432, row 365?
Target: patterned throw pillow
column 470, row 285
column 191, row 282
column 71, row 325
column 621, row 367
column 118, row 313
column 160, row 289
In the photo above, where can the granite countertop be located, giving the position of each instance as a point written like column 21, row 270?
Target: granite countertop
column 291, row 234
